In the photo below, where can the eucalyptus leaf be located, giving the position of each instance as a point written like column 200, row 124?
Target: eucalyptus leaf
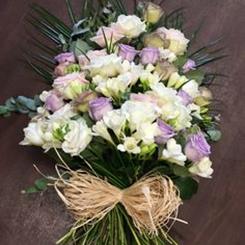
column 20, row 104
column 41, row 184
column 214, row 134
column 79, row 47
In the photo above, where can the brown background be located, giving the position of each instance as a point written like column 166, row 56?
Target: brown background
column 216, row 215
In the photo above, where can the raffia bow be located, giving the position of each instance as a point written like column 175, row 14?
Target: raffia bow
column 152, row 202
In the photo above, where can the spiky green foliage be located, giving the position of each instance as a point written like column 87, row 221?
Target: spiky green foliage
column 208, row 54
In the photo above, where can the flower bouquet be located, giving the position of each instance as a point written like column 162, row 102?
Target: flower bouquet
column 127, row 117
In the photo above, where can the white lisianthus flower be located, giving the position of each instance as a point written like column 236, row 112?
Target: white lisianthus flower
column 34, row 134
column 178, row 42
column 130, row 26
column 177, row 80
column 115, row 121
column 129, row 145
column 174, row 153
column 192, row 88
column 78, row 137
column 147, row 132
column 167, row 54
column 101, row 130
column 105, row 66
column 137, row 112
column 202, row 168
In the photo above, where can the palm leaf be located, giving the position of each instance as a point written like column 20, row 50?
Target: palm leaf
column 70, row 12
column 175, row 19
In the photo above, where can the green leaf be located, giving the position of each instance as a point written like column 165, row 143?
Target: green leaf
column 214, row 134
column 180, row 171
column 41, row 184
column 196, row 75
column 181, row 61
column 79, row 47
column 187, row 187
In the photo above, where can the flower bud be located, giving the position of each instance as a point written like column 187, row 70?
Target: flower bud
column 206, row 93
column 152, row 13
column 189, row 65
column 149, row 56
column 197, row 147
column 127, row 52
column 99, row 107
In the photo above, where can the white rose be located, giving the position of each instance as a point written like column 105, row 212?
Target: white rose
column 138, row 112
column 202, row 168
column 130, row 145
column 178, row 42
column 78, row 137
column 34, row 134
column 192, row 88
column 105, row 66
column 173, row 153
column 129, row 25
column 115, row 121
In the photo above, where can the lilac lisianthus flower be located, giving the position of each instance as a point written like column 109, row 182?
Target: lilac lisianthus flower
column 185, row 97
column 53, row 102
column 166, row 132
column 127, row 52
column 197, row 147
column 149, row 56
column 99, row 107
column 65, row 58
column 189, row 65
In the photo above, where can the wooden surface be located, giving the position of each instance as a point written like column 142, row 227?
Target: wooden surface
column 216, row 215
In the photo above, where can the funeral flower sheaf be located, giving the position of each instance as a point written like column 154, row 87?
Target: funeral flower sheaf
column 128, row 107
column 155, row 117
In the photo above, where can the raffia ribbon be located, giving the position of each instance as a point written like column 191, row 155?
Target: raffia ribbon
column 152, row 202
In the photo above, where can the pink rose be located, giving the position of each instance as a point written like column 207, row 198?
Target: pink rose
column 110, row 33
